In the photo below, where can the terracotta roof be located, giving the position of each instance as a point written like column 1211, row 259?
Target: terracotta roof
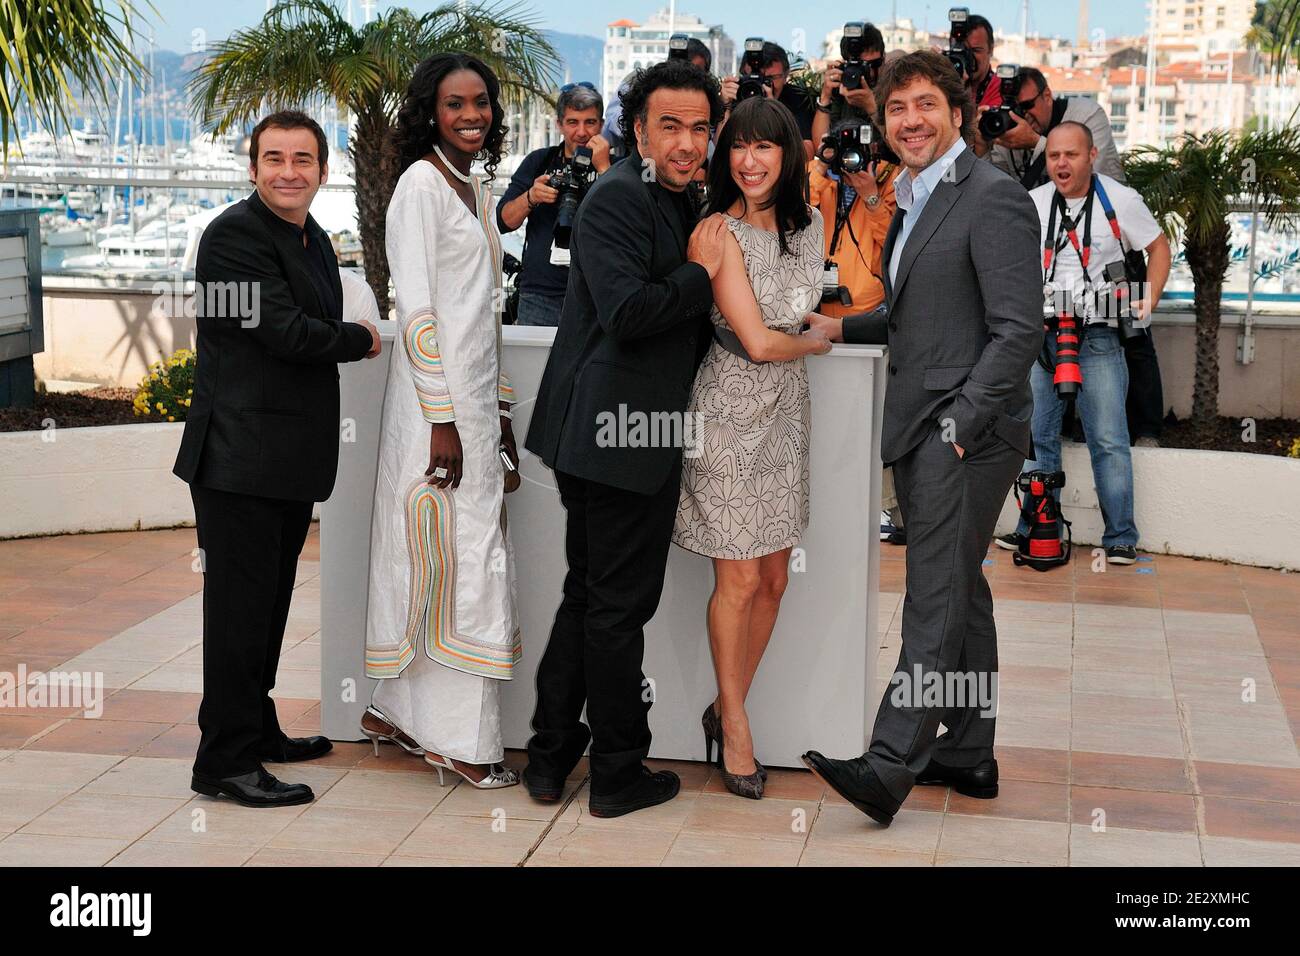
column 623, row 23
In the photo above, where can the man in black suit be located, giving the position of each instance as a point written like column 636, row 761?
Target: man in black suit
column 634, row 328
column 261, row 445
column 964, row 325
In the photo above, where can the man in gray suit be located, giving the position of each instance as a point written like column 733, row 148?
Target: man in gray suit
column 964, row 325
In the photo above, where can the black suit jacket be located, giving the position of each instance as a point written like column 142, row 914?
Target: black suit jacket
column 264, row 418
column 965, row 316
column 634, row 328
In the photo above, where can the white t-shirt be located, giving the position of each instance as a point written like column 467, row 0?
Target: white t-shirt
column 1138, row 227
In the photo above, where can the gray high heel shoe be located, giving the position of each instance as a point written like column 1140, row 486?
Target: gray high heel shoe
column 712, row 725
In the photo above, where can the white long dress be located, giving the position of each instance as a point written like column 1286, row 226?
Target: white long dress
column 441, row 630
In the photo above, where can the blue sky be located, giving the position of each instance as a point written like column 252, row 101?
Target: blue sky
column 776, row 19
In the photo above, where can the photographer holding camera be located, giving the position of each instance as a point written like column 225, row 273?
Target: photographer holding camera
column 546, row 190
column 854, row 191
column 847, row 83
column 1031, row 112
column 765, row 71
column 970, row 51
column 1092, row 230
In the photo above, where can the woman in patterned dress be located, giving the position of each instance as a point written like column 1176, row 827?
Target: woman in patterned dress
column 744, row 497
column 441, row 632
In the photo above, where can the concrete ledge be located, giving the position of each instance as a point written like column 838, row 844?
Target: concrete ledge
column 1229, row 506
column 107, row 478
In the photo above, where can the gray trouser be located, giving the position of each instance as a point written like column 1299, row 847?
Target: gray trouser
column 950, row 506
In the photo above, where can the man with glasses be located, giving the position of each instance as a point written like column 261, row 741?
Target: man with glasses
column 1022, row 150
column 542, row 276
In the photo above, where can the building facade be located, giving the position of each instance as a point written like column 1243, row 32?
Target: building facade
column 630, row 46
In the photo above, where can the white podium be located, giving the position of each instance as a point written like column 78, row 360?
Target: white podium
column 814, row 686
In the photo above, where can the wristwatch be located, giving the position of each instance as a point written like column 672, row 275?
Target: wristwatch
column 822, row 107
column 873, row 201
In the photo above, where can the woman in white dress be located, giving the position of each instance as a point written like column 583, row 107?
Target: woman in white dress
column 441, row 632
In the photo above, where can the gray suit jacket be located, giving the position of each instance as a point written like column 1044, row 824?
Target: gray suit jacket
column 965, row 317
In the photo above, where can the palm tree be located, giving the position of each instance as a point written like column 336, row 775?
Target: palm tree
column 1275, row 31
column 46, row 44
column 1188, row 185
column 304, row 52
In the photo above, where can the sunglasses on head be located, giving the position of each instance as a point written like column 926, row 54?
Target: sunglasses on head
column 573, row 86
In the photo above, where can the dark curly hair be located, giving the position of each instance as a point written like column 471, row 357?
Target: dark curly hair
column 413, row 135
column 763, row 120
column 671, row 75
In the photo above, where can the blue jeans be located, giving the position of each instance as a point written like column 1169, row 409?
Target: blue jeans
column 1100, row 404
column 538, row 309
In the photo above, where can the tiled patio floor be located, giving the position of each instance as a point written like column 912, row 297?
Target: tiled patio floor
column 1123, row 736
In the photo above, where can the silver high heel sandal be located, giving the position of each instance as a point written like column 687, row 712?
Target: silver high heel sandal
column 396, row 737
column 499, row 776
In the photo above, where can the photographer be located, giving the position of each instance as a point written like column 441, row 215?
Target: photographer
column 1021, row 150
column 863, row 47
column 1089, row 225
column 970, row 42
column 772, row 63
column 857, row 207
column 531, row 195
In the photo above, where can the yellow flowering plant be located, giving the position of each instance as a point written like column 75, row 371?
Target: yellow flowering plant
column 166, row 392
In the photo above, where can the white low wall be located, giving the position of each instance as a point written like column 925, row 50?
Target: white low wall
column 1230, row 506
column 109, row 478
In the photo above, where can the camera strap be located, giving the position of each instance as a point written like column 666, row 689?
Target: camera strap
column 1055, row 240
column 1110, row 212
column 845, row 197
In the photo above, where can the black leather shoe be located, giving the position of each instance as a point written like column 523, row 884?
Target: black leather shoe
column 650, row 790
column 293, row 749
column 980, row 781
column 856, row 782
column 255, row 789
column 546, row 789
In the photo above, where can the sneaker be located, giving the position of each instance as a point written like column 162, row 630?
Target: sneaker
column 886, row 526
column 1009, row 542
column 1121, row 554
column 649, row 790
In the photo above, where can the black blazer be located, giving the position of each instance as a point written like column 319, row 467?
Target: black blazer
column 633, row 330
column 264, row 419
column 965, row 317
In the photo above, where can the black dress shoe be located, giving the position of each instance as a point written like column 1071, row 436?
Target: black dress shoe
column 650, row 790
column 980, row 781
column 856, row 782
column 254, row 789
column 293, row 749
column 546, row 789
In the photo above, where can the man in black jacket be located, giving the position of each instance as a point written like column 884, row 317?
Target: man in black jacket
column 261, row 444
column 634, row 328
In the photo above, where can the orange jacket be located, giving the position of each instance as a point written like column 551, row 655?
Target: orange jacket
column 859, row 266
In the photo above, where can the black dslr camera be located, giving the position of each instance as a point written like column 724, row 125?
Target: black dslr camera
column 848, row 149
column 1123, row 277
column 958, row 54
column 571, row 183
column 677, row 44
column 855, row 73
column 752, row 80
column 997, row 120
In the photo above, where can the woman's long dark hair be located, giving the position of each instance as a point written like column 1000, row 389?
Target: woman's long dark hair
column 761, row 120
column 413, row 135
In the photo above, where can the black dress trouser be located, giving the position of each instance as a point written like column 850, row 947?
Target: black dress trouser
column 616, row 543
column 249, row 547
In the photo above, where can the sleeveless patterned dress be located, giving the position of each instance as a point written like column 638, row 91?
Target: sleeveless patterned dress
column 745, row 477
